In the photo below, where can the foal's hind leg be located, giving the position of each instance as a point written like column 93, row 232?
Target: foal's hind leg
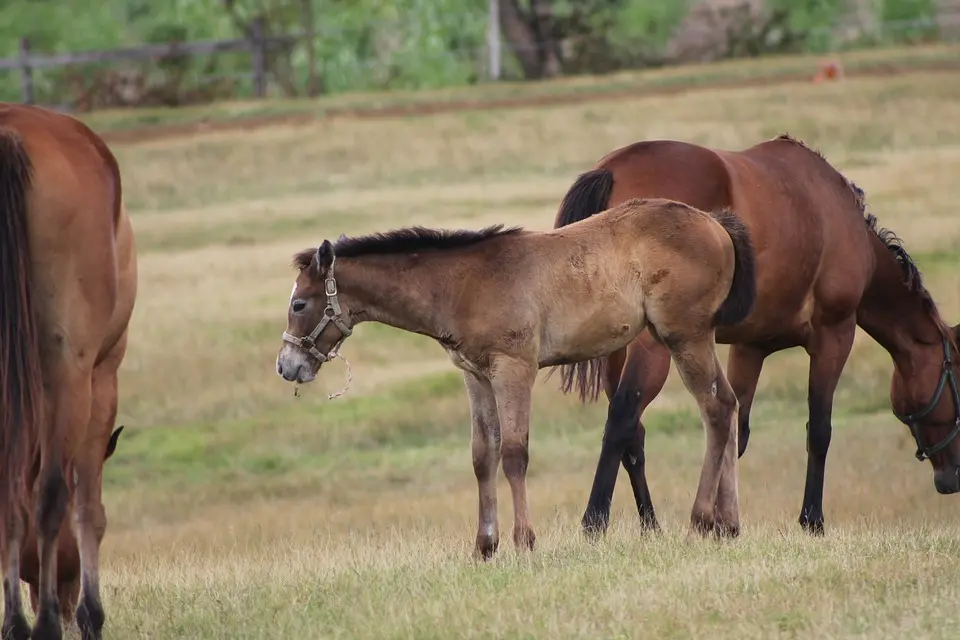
column 829, row 349
column 641, row 378
column 716, row 506
column 486, row 461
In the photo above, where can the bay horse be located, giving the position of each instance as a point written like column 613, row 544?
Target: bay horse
column 823, row 268
column 505, row 303
column 68, row 282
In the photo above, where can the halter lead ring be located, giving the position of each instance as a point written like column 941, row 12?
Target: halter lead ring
column 912, row 420
column 331, row 313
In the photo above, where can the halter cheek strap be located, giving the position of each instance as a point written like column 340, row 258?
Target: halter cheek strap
column 331, row 314
column 947, row 379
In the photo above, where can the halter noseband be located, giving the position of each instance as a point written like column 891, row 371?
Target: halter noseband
column 330, row 314
column 912, row 420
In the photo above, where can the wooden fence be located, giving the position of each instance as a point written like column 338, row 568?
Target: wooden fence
column 257, row 45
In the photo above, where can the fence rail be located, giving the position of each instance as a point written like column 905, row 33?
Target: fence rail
column 257, row 45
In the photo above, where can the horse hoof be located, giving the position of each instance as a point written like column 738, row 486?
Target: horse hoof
column 813, row 526
column 594, row 525
column 703, row 523
column 486, row 547
column 524, row 539
column 47, row 626
column 90, row 621
column 16, row 628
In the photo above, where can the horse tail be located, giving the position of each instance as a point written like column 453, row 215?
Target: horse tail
column 743, row 290
column 589, row 195
column 21, row 381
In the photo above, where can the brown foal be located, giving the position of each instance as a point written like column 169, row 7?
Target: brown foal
column 505, row 303
column 823, row 267
column 68, row 282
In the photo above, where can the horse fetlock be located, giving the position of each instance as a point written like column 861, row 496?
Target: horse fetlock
column 486, row 546
column 15, row 627
column 594, row 523
column 702, row 521
column 48, row 626
column 524, row 538
column 811, row 522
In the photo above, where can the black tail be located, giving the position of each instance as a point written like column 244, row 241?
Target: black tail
column 21, row 383
column 589, row 195
column 743, row 289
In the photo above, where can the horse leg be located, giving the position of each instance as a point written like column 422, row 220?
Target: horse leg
column 642, row 376
column 744, row 364
column 512, row 382
column 829, row 349
column 713, row 509
column 71, row 409
column 15, row 625
column 91, row 517
column 486, row 459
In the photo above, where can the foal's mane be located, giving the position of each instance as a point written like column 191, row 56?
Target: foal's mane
column 911, row 276
column 407, row 240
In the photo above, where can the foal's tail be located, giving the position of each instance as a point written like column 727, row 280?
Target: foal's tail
column 743, row 289
column 589, row 195
column 21, row 382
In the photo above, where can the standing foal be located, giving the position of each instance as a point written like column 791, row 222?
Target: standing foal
column 505, row 303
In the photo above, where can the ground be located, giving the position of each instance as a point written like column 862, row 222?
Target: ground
column 239, row 511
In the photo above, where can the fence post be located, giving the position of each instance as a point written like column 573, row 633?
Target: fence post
column 259, row 54
column 26, row 72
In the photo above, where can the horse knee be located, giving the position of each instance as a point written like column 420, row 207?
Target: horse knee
column 515, row 459
column 819, row 433
column 52, row 502
column 92, row 517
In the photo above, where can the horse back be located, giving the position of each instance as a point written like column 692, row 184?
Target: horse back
column 800, row 213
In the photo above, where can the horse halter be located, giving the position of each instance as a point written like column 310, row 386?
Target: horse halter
column 331, row 313
column 912, row 420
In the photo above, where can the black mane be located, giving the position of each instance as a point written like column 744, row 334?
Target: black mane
column 893, row 243
column 413, row 239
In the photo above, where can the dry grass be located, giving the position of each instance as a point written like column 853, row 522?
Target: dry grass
column 238, row 511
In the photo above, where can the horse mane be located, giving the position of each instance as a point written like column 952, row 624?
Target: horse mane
column 407, row 240
column 912, row 277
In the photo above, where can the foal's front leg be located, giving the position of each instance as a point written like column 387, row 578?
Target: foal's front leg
column 486, row 459
column 512, row 381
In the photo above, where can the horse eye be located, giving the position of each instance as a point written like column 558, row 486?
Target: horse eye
column 299, row 305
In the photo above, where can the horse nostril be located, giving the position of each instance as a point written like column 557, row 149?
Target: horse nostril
column 279, row 369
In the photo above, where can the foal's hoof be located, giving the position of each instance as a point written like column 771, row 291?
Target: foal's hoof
column 524, row 539
column 702, row 523
column 16, row 628
column 726, row 529
column 486, row 547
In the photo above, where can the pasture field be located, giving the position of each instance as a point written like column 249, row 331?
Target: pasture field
column 238, row 511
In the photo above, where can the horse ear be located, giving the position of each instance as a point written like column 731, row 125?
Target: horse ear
column 342, row 237
column 324, row 256
column 112, row 444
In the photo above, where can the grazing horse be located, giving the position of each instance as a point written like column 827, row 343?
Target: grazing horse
column 823, row 267
column 68, row 558
column 68, row 281
column 504, row 303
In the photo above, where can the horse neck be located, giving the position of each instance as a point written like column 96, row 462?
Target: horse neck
column 398, row 290
column 902, row 320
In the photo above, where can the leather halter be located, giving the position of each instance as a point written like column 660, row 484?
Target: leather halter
column 912, row 420
column 331, row 314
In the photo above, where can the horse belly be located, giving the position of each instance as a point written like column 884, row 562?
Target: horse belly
column 597, row 336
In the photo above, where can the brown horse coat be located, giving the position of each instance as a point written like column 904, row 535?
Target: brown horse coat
column 68, row 282
column 822, row 267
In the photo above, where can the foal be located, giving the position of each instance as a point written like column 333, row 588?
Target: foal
column 506, row 302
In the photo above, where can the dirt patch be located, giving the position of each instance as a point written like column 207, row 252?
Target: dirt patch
column 156, row 132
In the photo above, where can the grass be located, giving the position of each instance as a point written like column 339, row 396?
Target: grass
column 239, row 511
